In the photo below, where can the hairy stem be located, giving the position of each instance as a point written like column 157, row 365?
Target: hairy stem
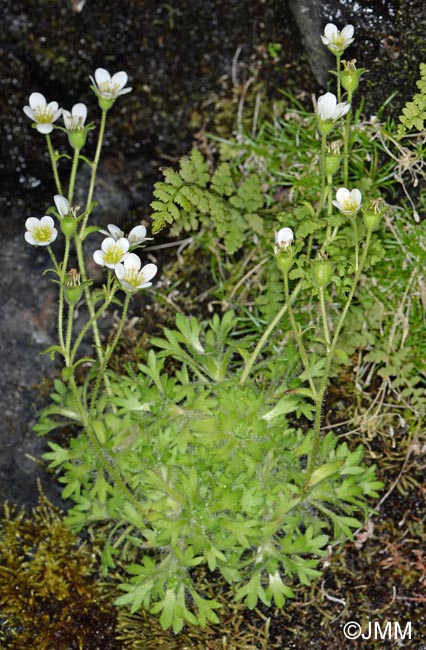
column 54, row 164
column 265, row 336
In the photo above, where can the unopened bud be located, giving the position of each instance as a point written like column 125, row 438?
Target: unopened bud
column 322, row 271
column 73, row 288
column 349, row 77
column 68, row 225
column 373, row 214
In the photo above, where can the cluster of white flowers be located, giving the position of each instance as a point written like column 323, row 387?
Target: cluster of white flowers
column 115, row 254
column 44, row 114
column 328, row 111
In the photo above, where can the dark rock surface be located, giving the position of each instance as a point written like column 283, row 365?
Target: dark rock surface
column 181, row 59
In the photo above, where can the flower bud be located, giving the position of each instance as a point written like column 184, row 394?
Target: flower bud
column 73, row 288
column 68, row 225
column 77, row 139
column 106, row 103
column 322, row 271
column 284, row 261
column 373, row 214
column 331, row 164
column 349, row 77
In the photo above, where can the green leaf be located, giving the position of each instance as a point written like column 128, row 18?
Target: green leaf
column 99, row 429
column 286, row 404
column 325, row 471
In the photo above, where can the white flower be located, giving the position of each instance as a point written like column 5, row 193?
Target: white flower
column 113, row 231
column 42, row 113
column 335, row 40
column 62, row 205
column 109, row 87
column 329, row 110
column 74, row 120
column 136, row 236
column 131, row 276
column 112, row 252
column 40, row 232
column 348, row 202
column 283, row 239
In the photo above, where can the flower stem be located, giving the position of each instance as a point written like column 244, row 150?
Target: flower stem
column 95, row 167
column 69, row 335
column 324, row 381
column 54, row 165
column 73, row 175
column 323, row 174
column 355, row 229
column 107, row 356
column 89, row 324
column 324, row 318
column 346, row 136
column 339, row 92
column 79, row 249
column 298, row 335
column 61, row 295
column 265, row 336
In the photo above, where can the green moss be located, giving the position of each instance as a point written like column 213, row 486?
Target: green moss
column 49, row 597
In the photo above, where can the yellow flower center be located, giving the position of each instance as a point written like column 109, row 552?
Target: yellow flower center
column 42, row 233
column 349, row 205
column 108, row 88
column 43, row 116
column 113, row 255
column 134, row 278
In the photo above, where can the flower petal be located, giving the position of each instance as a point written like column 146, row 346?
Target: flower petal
column 342, row 194
column 356, row 196
column 120, row 271
column 62, row 205
column 132, row 262
column 47, row 222
column 119, row 79
column 80, row 111
column 31, row 223
column 37, row 100
column 149, row 270
column 107, row 243
column 123, row 243
column 330, row 31
column 29, row 113
column 348, row 32
column 137, row 235
column 101, row 76
column 44, row 128
column 98, row 256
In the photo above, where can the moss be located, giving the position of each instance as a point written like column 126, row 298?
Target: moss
column 49, row 597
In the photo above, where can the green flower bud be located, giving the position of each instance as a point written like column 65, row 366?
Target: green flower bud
column 77, row 139
column 349, row 77
column 284, row 261
column 331, row 164
column 73, row 288
column 373, row 214
column 68, row 225
column 106, row 103
column 325, row 126
column 322, row 271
